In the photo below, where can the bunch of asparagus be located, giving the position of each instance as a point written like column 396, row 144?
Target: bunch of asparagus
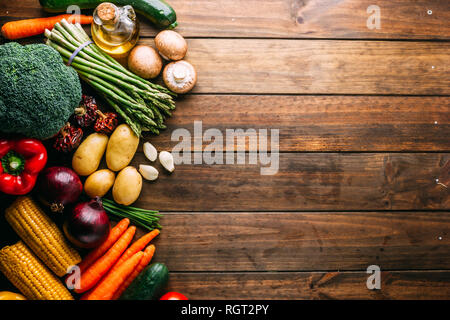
column 143, row 105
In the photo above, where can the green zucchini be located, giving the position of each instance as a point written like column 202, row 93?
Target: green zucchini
column 149, row 284
column 158, row 12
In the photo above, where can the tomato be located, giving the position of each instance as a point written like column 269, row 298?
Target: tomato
column 173, row 296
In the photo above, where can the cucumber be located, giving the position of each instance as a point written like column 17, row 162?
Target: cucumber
column 149, row 284
column 157, row 11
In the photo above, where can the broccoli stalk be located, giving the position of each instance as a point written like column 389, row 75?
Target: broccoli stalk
column 143, row 105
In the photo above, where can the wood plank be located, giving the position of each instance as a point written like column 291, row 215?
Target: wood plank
column 289, row 19
column 283, row 241
column 316, row 285
column 304, row 182
column 270, row 66
column 312, row 19
column 319, row 123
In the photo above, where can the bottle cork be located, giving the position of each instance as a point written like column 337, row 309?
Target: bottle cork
column 106, row 11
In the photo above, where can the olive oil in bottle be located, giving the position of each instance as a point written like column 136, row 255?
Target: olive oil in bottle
column 115, row 29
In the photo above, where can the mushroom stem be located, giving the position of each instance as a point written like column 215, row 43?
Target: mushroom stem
column 180, row 76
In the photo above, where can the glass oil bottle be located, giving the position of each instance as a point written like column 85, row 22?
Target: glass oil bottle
column 115, row 29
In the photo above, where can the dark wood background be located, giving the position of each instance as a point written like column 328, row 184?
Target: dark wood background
column 364, row 133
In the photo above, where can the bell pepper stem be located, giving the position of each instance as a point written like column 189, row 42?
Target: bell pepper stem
column 13, row 163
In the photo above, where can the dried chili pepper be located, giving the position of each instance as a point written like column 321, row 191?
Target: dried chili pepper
column 68, row 138
column 106, row 122
column 86, row 113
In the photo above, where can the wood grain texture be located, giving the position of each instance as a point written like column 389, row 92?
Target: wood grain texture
column 311, row 285
column 220, row 239
column 304, row 182
column 282, row 241
column 269, row 66
column 280, row 66
column 319, row 123
column 289, row 18
column 312, row 18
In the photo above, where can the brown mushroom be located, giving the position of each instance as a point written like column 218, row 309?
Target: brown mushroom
column 145, row 62
column 180, row 76
column 171, row 45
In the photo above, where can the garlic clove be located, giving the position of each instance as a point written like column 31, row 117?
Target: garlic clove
column 148, row 172
column 166, row 159
column 150, row 151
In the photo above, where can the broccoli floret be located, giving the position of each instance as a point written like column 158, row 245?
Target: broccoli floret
column 38, row 92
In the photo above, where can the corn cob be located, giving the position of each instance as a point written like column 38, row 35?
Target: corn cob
column 29, row 275
column 42, row 235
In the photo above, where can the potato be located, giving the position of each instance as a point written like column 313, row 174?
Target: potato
column 121, row 147
column 99, row 183
column 127, row 187
column 87, row 157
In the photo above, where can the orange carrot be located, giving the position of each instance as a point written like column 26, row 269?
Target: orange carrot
column 137, row 246
column 114, row 234
column 106, row 288
column 31, row 27
column 100, row 267
column 87, row 294
column 133, row 249
column 148, row 255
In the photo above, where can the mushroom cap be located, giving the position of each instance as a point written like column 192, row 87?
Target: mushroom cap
column 171, row 45
column 145, row 62
column 180, row 76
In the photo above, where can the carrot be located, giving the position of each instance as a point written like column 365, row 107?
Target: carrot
column 106, row 288
column 137, row 246
column 87, row 294
column 148, row 255
column 133, row 249
column 100, row 267
column 114, row 234
column 31, row 27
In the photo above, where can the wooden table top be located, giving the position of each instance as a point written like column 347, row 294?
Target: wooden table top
column 364, row 152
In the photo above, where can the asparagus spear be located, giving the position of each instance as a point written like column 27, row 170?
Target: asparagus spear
column 142, row 104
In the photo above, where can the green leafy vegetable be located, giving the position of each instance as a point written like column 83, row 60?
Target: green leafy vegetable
column 38, row 93
column 147, row 219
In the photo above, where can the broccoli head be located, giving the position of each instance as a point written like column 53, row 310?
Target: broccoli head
column 38, row 92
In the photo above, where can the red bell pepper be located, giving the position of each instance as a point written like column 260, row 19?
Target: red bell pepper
column 21, row 162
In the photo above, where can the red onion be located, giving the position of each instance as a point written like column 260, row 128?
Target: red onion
column 88, row 225
column 58, row 187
